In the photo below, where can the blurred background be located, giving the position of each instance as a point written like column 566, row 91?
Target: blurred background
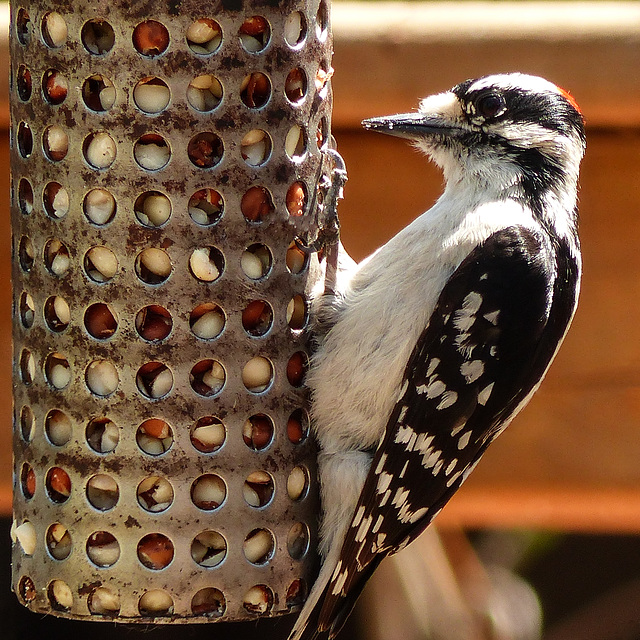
column 542, row 541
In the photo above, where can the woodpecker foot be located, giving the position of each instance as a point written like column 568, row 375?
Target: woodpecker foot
column 329, row 191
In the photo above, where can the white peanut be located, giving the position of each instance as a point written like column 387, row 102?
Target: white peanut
column 104, row 602
column 55, row 29
column 296, row 483
column 208, row 437
column 204, row 93
column 204, row 36
column 151, row 95
column 209, row 324
column 61, row 594
column 101, row 150
column 155, row 601
column 257, row 374
column 255, row 147
column 152, row 155
column 258, row 546
column 156, row 210
column 102, row 377
column 208, row 492
column 203, row 266
column 26, row 535
column 293, row 28
column 99, row 206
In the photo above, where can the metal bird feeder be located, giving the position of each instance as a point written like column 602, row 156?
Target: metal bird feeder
column 162, row 166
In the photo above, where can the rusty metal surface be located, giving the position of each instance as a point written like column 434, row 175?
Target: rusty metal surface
column 126, row 294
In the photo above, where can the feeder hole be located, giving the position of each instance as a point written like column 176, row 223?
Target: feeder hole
column 102, row 492
column 208, row 434
column 102, row 435
column 100, row 321
column 58, row 427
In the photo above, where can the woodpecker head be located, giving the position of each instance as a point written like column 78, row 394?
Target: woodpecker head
column 512, row 134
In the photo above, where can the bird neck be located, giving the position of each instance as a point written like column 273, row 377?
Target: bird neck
column 550, row 194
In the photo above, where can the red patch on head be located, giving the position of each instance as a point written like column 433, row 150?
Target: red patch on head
column 569, row 98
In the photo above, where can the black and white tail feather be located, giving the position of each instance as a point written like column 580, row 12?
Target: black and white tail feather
column 442, row 336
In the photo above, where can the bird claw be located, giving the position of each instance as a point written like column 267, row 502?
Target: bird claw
column 327, row 236
column 325, row 201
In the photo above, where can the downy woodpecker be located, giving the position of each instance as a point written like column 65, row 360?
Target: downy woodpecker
column 441, row 337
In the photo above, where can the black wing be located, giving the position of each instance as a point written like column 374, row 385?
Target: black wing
column 494, row 331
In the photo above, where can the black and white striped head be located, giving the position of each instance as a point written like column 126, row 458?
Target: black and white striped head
column 506, row 132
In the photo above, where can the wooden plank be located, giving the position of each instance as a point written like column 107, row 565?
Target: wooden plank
column 552, row 507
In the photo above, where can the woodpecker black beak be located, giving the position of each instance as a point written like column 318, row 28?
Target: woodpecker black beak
column 410, row 125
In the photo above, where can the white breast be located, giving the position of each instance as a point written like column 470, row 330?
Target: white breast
column 357, row 371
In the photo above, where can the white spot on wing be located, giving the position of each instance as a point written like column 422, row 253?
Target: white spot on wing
column 451, row 467
column 358, row 517
column 381, row 463
column 464, row 349
column 377, row 524
column 484, row 395
column 404, row 435
column 469, row 469
column 432, row 389
column 464, row 439
column 423, row 442
column 418, row 514
column 384, row 480
column 402, row 545
column 453, row 478
column 405, row 513
column 472, row 370
column 435, row 389
column 338, row 587
column 430, row 458
column 472, row 302
column 463, row 321
column 400, row 498
column 449, row 398
column 456, row 430
column 492, row 317
column 465, row 316
column 433, row 364
column 365, row 525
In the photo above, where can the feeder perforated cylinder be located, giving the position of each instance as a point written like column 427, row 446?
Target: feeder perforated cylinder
column 162, row 166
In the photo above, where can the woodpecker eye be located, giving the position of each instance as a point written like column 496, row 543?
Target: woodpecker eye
column 490, row 105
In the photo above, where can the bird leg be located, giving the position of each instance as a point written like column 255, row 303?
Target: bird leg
column 325, row 202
